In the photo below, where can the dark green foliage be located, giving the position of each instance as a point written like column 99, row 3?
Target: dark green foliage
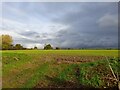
column 35, row 47
column 57, row 48
column 47, row 47
column 18, row 47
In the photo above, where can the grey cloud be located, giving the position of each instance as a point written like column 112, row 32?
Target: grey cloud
column 108, row 21
column 29, row 33
column 84, row 31
column 88, row 25
column 87, row 41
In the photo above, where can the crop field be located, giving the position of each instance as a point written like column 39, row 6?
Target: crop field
column 59, row 68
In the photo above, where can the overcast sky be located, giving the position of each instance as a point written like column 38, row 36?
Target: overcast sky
column 68, row 25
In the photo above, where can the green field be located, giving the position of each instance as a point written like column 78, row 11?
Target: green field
column 59, row 68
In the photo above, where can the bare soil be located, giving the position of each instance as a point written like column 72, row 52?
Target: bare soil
column 78, row 59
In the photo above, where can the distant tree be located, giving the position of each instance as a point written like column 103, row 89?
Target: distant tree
column 18, row 47
column 11, row 47
column 35, row 47
column 30, row 48
column 5, row 42
column 57, row 48
column 24, row 48
column 68, row 48
column 5, row 47
column 48, row 46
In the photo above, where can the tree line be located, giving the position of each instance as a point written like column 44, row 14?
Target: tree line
column 7, row 44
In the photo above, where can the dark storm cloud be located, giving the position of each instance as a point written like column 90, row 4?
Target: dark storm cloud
column 85, row 31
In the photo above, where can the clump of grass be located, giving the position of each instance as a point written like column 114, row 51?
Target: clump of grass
column 88, row 76
column 66, row 74
column 114, row 66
